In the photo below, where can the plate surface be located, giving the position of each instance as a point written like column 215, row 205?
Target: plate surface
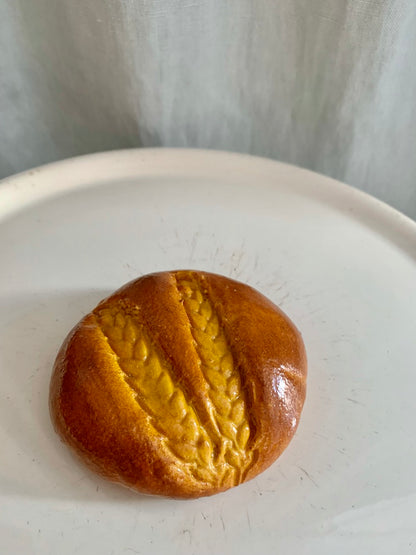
column 341, row 264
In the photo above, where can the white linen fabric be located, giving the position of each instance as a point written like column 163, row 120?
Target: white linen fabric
column 325, row 84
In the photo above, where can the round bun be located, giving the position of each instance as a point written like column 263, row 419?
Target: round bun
column 180, row 384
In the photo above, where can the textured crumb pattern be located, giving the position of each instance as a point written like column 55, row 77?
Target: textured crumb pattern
column 217, row 454
column 151, row 380
column 218, row 368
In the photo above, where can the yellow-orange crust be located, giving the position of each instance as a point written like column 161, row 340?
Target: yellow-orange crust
column 180, row 384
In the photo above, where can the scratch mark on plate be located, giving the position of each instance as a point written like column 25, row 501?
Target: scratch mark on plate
column 248, row 520
column 308, row 476
column 354, row 401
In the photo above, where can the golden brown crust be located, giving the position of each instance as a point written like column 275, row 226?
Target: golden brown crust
column 180, row 384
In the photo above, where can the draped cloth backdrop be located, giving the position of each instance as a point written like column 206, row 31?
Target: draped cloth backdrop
column 325, row 84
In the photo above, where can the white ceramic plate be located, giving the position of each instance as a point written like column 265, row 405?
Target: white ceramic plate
column 341, row 264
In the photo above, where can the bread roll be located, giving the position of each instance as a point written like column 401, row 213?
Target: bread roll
column 180, row 384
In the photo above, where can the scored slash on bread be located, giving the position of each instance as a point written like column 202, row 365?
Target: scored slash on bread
column 181, row 384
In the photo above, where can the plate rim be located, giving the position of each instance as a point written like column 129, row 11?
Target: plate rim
column 25, row 188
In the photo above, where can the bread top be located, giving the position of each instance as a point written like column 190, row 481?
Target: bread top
column 181, row 384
